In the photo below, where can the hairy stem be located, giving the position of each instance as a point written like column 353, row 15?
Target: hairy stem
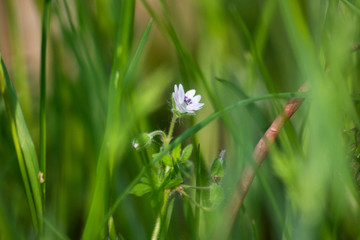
column 171, row 130
column 196, row 187
column 160, row 217
column 167, row 140
column 159, row 133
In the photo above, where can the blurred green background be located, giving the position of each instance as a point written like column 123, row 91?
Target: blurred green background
column 107, row 82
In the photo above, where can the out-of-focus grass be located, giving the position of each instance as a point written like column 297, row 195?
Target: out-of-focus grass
column 108, row 81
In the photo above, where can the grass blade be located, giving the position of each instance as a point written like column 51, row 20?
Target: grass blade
column 54, row 230
column 122, row 73
column 198, row 193
column 25, row 149
column 45, row 24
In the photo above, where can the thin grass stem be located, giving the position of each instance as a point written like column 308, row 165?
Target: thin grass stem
column 198, row 193
column 45, row 25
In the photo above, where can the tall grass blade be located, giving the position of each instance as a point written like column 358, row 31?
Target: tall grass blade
column 25, row 149
column 120, row 78
column 45, row 26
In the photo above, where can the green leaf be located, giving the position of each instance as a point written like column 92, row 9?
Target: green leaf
column 154, row 180
column 140, row 189
column 176, row 153
column 217, row 168
column 173, row 182
column 186, row 153
column 168, row 179
column 216, row 194
column 167, row 160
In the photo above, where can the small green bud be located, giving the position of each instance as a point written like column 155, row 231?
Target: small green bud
column 217, row 169
column 141, row 141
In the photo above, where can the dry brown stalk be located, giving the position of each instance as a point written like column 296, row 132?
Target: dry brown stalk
column 260, row 152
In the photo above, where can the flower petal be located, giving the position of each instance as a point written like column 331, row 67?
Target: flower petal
column 177, row 94
column 190, row 93
column 181, row 94
column 181, row 108
column 196, row 99
column 195, row 106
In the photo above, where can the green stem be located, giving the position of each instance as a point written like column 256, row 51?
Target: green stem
column 171, row 130
column 160, row 217
column 45, row 22
column 196, row 187
column 195, row 203
column 158, row 132
column 167, row 140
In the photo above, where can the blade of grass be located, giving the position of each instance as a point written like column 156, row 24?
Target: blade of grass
column 7, row 225
column 254, row 50
column 198, row 193
column 95, row 88
column 120, row 77
column 20, row 77
column 25, row 149
column 45, row 26
column 265, row 22
column 253, row 109
column 54, row 230
column 352, row 7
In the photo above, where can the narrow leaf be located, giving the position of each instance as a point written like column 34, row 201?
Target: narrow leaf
column 141, row 189
column 176, row 153
column 173, row 183
column 186, row 153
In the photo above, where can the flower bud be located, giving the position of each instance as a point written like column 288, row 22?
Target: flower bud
column 217, row 168
column 141, row 141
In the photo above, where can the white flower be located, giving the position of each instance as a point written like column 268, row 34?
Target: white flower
column 186, row 102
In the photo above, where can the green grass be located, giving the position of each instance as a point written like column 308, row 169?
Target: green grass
column 107, row 70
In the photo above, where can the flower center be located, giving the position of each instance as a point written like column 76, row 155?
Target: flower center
column 187, row 100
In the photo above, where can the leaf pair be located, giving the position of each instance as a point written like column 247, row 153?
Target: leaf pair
column 176, row 155
column 170, row 180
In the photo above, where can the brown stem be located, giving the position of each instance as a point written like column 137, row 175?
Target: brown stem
column 260, row 152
